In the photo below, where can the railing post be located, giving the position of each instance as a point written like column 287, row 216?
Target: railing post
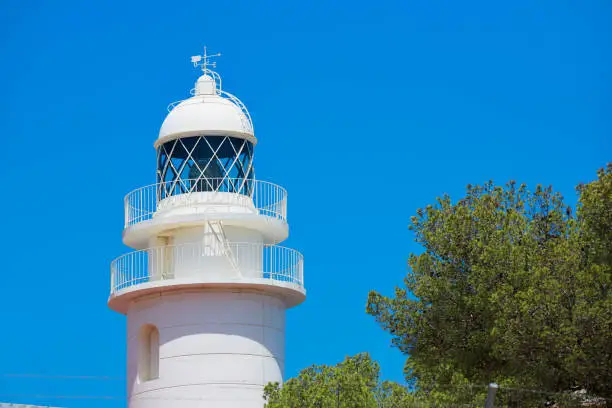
column 112, row 282
column 491, row 395
column 126, row 213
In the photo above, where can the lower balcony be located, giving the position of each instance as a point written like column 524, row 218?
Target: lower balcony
column 214, row 265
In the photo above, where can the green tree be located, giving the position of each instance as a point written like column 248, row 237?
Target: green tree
column 511, row 287
column 592, row 357
column 353, row 383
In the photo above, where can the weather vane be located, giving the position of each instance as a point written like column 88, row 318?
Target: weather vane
column 204, row 61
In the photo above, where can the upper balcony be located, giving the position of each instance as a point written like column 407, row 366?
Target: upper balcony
column 255, row 204
column 208, row 264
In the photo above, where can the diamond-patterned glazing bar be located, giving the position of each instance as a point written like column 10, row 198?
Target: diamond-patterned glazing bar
column 204, row 160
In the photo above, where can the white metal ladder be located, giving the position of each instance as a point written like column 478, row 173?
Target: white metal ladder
column 216, row 227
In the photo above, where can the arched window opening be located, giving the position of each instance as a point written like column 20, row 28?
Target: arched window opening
column 148, row 364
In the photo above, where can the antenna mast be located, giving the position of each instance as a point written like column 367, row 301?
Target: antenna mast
column 204, row 61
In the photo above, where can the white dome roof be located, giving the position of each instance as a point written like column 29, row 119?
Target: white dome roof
column 209, row 112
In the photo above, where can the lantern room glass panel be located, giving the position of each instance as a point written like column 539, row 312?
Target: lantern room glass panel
column 205, row 164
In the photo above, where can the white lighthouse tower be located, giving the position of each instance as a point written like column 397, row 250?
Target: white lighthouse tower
column 206, row 289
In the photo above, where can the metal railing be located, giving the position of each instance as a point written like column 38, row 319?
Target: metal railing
column 247, row 122
column 267, row 198
column 212, row 261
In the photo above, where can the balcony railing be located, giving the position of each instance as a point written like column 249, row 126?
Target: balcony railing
column 214, row 261
column 266, row 198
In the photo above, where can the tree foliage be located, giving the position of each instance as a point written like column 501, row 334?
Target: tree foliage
column 353, row 383
column 512, row 286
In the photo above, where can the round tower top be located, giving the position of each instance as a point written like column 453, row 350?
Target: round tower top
column 210, row 111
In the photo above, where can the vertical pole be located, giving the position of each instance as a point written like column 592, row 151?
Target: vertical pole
column 491, row 395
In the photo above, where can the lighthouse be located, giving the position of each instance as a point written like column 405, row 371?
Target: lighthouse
column 207, row 285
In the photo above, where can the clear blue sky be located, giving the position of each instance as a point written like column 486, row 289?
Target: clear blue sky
column 365, row 111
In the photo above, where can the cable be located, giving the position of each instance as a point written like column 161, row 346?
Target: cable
column 73, row 397
column 63, row 377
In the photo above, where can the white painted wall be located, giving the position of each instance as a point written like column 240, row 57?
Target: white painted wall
column 205, row 203
column 198, row 250
column 217, row 349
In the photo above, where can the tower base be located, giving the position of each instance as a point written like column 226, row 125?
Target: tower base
column 213, row 349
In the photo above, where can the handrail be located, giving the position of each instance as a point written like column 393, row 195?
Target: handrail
column 267, row 198
column 249, row 262
column 249, row 121
column 172, row 105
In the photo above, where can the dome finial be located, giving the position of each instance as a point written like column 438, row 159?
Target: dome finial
column 204, row 61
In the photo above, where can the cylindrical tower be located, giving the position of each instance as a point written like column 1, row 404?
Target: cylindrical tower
column 206, row 289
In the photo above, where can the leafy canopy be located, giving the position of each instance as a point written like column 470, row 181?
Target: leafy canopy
column 511, row 287
column 353, row 383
